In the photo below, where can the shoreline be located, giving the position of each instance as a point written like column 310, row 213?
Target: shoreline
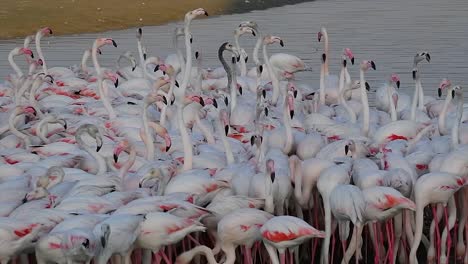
column 20, row 18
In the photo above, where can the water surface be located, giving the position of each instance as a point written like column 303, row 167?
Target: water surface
column 388, row 32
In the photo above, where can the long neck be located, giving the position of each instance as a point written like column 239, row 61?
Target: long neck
column 393, row 113
column 104, row 99
column 227, row 146
column 186, row 140
column 84, row 61
column 102, row 168
column 414, row 103
column 351, row 113
column 205, row 130
column 16, row 132
column 188, row 64
column 288, row 130
column 342, row 79
column 365, row 105
column 296, row 172
column 22, row 90
column 273, row 77
column 97, row 67
column 325, row 36
column 225, row 66
column 39, row 51
column 15, row 67
column 322, row 84
column 199, row 250
column 180, row 56
column 456, row 126
column 256, row 50
column 443, row 114
column 272, row 253
column 41, row 130
column 140, row 53
column 233, row 87
column 421, row 94
column 243, row 66
column 131, row 160
column 149, row 140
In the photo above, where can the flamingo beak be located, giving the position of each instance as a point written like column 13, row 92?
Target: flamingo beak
column 65, row 125
column 226, row 101
column 156, row 68
column 246, row 59
column 240, row 90
column 344, row 63
column 439, row 92
column 295, row 93
column 352, row 60
column 116, row 84
column 168, row 141
column 226, row 129
column 206, row 13
column 428, row 57
column 398, row 84
column 324, row 58
column 114, row 43
column 196, row 54
column 253, row 33
column 281, row 43
column 215, row 103
column 453, row 94
column 264, row 94
column 291, row 114
column 202, row 102
column 373, row 65
column 346, row 149
column 98, row 148
column 25, row 199
column 414, row 74
column 133, row 68
column 144, row 56
column 176, row 84
column 272, row 176
column 367, row 86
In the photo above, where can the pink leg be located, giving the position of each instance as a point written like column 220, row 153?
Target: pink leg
column 376, row 246
column 164, row 256
column 283, row 258
column 193, row 240
column 434, row 214
column 291, row 257
column 333, row 248
column 449, row 237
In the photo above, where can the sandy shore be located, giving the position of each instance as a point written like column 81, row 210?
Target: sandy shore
column 22, row 17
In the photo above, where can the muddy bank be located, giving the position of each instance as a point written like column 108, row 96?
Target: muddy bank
column 22, row 17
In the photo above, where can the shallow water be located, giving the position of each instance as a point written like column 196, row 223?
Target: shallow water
column 388, row 32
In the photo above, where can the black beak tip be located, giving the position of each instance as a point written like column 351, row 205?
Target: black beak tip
column 246, row 59
column 156, row 68
column 139, row 185
column 133, row 68
column 453, row 94
column 295, row 93
column 367, row 86
column 324, row 57
column 116, row 158
column 32, row 55
column 191, row 40
column 398, row 84
column 226, row 101
column 168, row 148
column 253, row 33
column 25, row 200
column 116, row 83
column 196, row 55
column 373, row 65
column 240, row 90
column 206, row 13
column 352, row 61
column 252, row 140
column 103, row 240
column 140, row 31
column 144, row 56
column 114, row 43
column 272, row 177
column 98, row 148
column 264, row 94
column 281, row 43
column 260, row 68
column 226, row 130
column 439, row 92
column 177, row 83
column 65, row 126
column 215, row 103
column 164, row 100
column 291, row 113
column 202, row 102
column 428, row 57
column 346, row 149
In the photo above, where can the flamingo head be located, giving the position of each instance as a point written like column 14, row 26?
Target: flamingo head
column 244, row 30
column 348, row 53
column 367, row 64
column 350, row 147
column 39, row 62
column 422, row 56
column 270, row 168
column 46, row 31
column 105, row 41
column 195, row 13
column 153, row 173
column 444, row 84
column 124, row 144
column 394, row 78
column 37, row 193
column 458, row 91
column 113, row 77
column 26, row 51
column 29, row 110
column 269, row 39
column 398, row 201
column 292, row 88
column 160, row 82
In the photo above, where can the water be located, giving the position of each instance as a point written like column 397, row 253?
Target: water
column 388, row 32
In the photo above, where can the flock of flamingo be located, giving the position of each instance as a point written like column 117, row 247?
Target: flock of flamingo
column 162, row 161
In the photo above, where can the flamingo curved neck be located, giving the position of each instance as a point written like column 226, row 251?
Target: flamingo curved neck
column 102, row 168
column 205, row 130
column 287, row 126
column 39, row 51
column 273, row 77
column 13, row 65
column 199, row 250
column 341, row 81
column 365, row 105
column 16, row 132
column 351, row 113
column 97, row 67
column 149, row 140
column 296, row 172
column 22, row 90
column 188, row 66
column 243, row 66
column 104, row 99
column 443, row 114
column 256, row 50
column 414, row 103
column 84, row 61
column 233, row 86
column 123, row 172
column 227, row 146
column 180, row 56
column 141, row 56
column 41, row 129
column 421, row 95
